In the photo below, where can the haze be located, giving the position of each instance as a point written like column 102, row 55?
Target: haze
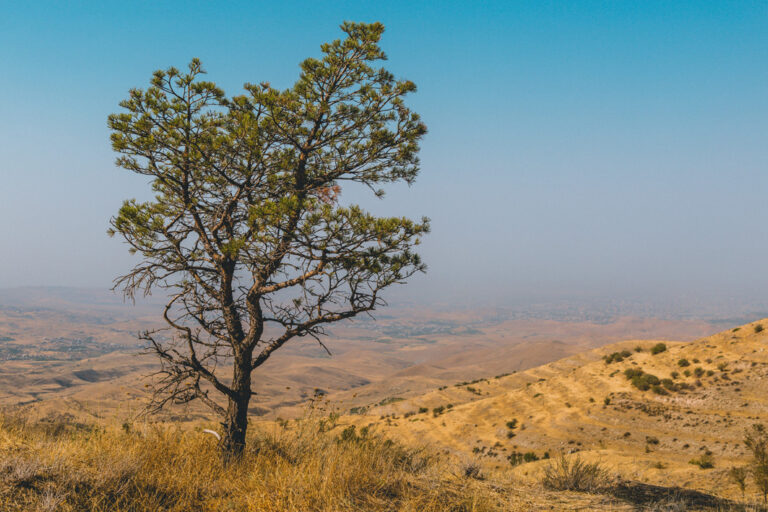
column 598, row 149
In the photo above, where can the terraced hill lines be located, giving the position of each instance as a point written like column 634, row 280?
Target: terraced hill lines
column 649, row 414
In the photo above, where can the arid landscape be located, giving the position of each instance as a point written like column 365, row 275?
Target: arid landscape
column 76, row 351
column 507, row 396
column 497, row 256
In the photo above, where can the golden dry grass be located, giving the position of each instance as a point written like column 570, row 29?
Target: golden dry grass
column 69, row 467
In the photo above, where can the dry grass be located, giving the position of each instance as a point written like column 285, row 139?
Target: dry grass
column 574, row 474
column 309, row 465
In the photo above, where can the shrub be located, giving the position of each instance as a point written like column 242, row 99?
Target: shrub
column 683, row 362
column 758, row 328
column 698, row 371
column 674, row 375
column 669, row 384
column 422, row 410
column 643, row 381
column 658, row 348
column 511, row 425
column 638, row 348
column 704, row 462
column 617, row 357
column 574, row 474
column 723, row 367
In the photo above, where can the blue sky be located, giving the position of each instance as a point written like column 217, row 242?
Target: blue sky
column 607, row 148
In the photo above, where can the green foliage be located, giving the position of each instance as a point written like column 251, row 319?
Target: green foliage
column 698, row 371
column 644, row 381
column 683, row 362
column 516, row 458
column 658, row 348
column 617, row 357
column 758, row 328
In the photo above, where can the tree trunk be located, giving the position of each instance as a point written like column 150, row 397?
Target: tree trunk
column 236, row 421
column 235, row 427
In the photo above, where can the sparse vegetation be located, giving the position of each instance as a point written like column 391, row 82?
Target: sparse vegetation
column 658, row 348
column 758, row 328
column 574, row 474
column 517, row 458
column 705, row 461
column 683, row 362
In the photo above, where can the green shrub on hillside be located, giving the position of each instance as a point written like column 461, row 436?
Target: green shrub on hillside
column 658, row 348
column 617, row 357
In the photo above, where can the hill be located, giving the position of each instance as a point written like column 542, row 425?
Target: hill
column 645, row 413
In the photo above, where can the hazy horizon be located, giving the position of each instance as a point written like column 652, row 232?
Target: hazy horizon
column 604, row 151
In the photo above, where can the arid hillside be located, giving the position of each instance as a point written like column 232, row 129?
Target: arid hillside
column 656, row 412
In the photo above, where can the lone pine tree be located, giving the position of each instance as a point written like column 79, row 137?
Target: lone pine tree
column 246, row 234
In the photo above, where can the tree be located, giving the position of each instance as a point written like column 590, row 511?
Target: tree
column 246, row 233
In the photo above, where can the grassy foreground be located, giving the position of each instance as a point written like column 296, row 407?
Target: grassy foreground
column 57, row 465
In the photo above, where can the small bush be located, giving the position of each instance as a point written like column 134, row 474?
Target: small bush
column 644, row 381
column 574, row 474
column 617, row 357
column 698, row 371
column 758, row 328
column 511, row 425
column 683, row 362
column 669, row 384
column 658, row 348
column 704, row 462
